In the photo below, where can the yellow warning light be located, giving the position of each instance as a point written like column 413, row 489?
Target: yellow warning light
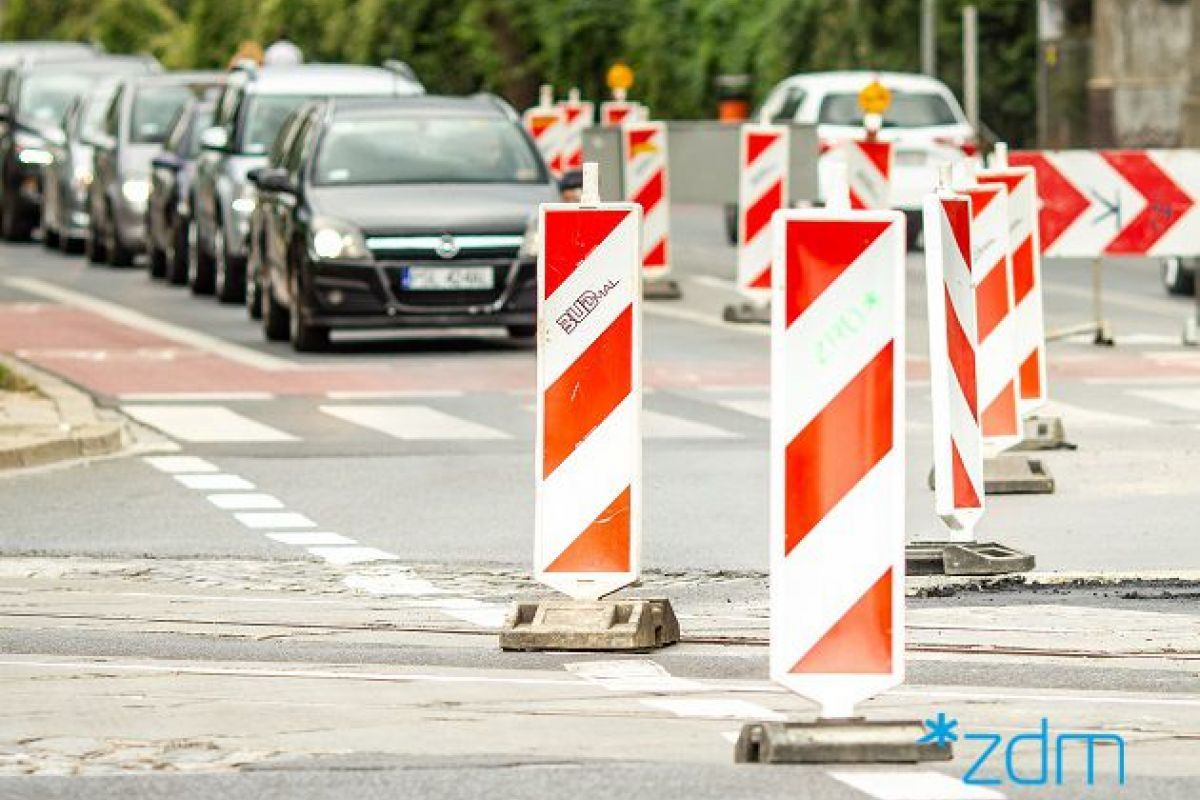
column 619, row 77
column 874, row 98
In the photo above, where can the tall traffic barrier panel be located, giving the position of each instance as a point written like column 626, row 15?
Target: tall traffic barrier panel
column 545, row 122
column 1101, row 204
column 837, row 486
column 614, row 113
column 588, row 457
column 998, row 376
column 869, row 172
column 644, row 148
column 1039, row 432
column 578, row 115
column 762, row 190
column 959, row 498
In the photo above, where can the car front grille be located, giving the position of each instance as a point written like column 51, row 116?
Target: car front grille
column 450, row 247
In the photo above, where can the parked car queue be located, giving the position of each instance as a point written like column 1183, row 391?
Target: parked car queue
column 323, row 196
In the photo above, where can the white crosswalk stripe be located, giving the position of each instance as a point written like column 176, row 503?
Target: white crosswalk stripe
column 1188, row 398
column 916, row 785
column 413, row 422
column 657, row 425
column 205, row 424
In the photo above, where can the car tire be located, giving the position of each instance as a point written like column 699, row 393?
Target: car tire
column 253, row 293
column 177, row 252
column 522, row 331
column 275, row 322
column 94, row 246
column 1177, row 279
column 200, row 264
column 50, row 238
column 305, row 337
column 229, row 284
column 158, row 262
column 118, row 254
column 71, row 245
column 14, row 228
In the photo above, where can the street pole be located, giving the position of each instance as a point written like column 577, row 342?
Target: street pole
column 929, row 37
column 1190, row 135
column 970, row 33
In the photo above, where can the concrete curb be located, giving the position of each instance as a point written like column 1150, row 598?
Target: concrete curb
column 82, row 433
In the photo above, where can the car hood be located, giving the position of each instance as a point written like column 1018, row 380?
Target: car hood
column 432, row 208
column 136, row 158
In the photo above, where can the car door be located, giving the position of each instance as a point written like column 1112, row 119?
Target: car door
column 105, row 169
column 292, row 225
column 163, row 180
column 211, row 162
column 274, row 206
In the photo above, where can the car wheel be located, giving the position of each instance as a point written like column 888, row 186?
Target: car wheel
column 200, row 264
column 118, row 254
column 95, row 242
column 228, row 283
column 306, row 337
column 176, row 252
column 253, row 287
column 1177, row 278
column 50, row 237
column 276, row 326
column 14, row 228
column 158, row 262
column 71, row 245
column 522, row 331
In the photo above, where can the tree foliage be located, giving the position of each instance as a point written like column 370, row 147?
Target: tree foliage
column 677, row 47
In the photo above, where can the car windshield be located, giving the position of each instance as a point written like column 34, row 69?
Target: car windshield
column 426, row 150
column 154, row 109
column 201, row 121
column 908, row 110
column 44, row 98
column 266, row 115
column 95, row 110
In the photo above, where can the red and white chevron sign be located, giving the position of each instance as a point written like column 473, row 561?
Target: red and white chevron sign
column 578, row 116
column 644, row 148
column 991, row 265
column 762, row 190
column 588, row 445
column 957, row 439
column 869, row 173
column 1117, row 202
column 618, row 112
column 837, row 455
column 1024, row 244
column 547, row 126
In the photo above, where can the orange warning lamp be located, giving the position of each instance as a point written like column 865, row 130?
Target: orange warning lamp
column 874, row 98
column 619, row 79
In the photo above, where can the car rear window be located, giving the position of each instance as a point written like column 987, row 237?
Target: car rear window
column 426, row 150
column 908, row 110
column 44, row 98
column 265, row 115
column 154, row 109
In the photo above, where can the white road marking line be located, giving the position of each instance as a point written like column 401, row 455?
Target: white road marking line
column 193, row 397
column 489, row 616
column 714, row 282
column 394, row 395
column 261, row 520
column 413, row 423
column 309, row 538
column 352, row 555
column 1188, row 399
column 173, row 464
column 215, row 482
column 205, row 424
column 1087, row 418
column 130, row 318
column 631, row 675
column 1187, row 701
column 714, row 708
column 922, row 785
column 245, row 501
column 657, row 425
column 731, row 736
column 392, row 584
column 754, row 408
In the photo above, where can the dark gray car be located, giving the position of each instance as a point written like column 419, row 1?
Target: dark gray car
column 135, row 125
column 399, row 213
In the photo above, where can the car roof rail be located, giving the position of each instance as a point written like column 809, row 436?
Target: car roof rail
column 499, row 102
column 246, row 65
column 401, row 68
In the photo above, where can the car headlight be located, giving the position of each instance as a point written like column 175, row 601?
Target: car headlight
column 136, row 191
column 244, row 203
column 333, row 240
column 35, row 155
column 531, row 240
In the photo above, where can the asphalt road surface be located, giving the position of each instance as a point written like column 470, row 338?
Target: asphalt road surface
column 329, row 526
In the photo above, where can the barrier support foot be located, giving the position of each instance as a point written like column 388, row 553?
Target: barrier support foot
column 665, row 289
column 599, row 625
column 965, row 558
column 1044, row 433
column 748, row 313
column 836, row 741
column 1013, row 473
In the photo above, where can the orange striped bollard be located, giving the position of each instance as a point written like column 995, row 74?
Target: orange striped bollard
column 578, row 116
column 618, row 112
column 869, row 173
column 644, row 150
column 545, row 122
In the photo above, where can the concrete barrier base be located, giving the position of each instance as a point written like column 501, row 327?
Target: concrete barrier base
column 748, row 313
column 1044, row 433
column 665, row 289
column 965, row 558
column 836, row 741
column 600, row 625
column 1013, row 473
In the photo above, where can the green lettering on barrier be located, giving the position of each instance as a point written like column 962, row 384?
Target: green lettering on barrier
column 846, row 327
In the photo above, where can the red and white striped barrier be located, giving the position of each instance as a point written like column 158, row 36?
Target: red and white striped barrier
column 957, row 438
column 837, row 455
column 578, row 116
column 992, row 268
column 588, row 450
column 546, row 123
column 869, row 173
column 1117, row 202
column 762, row 190
column 644, row 149
column 1021, row 183
column 619, row 112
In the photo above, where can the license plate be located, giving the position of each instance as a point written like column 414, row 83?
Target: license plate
column 910, row 158
column 448, row 279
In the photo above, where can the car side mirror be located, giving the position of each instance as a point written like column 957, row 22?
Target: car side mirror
column 214, row 139
column 168, row 161
column 274, row 180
